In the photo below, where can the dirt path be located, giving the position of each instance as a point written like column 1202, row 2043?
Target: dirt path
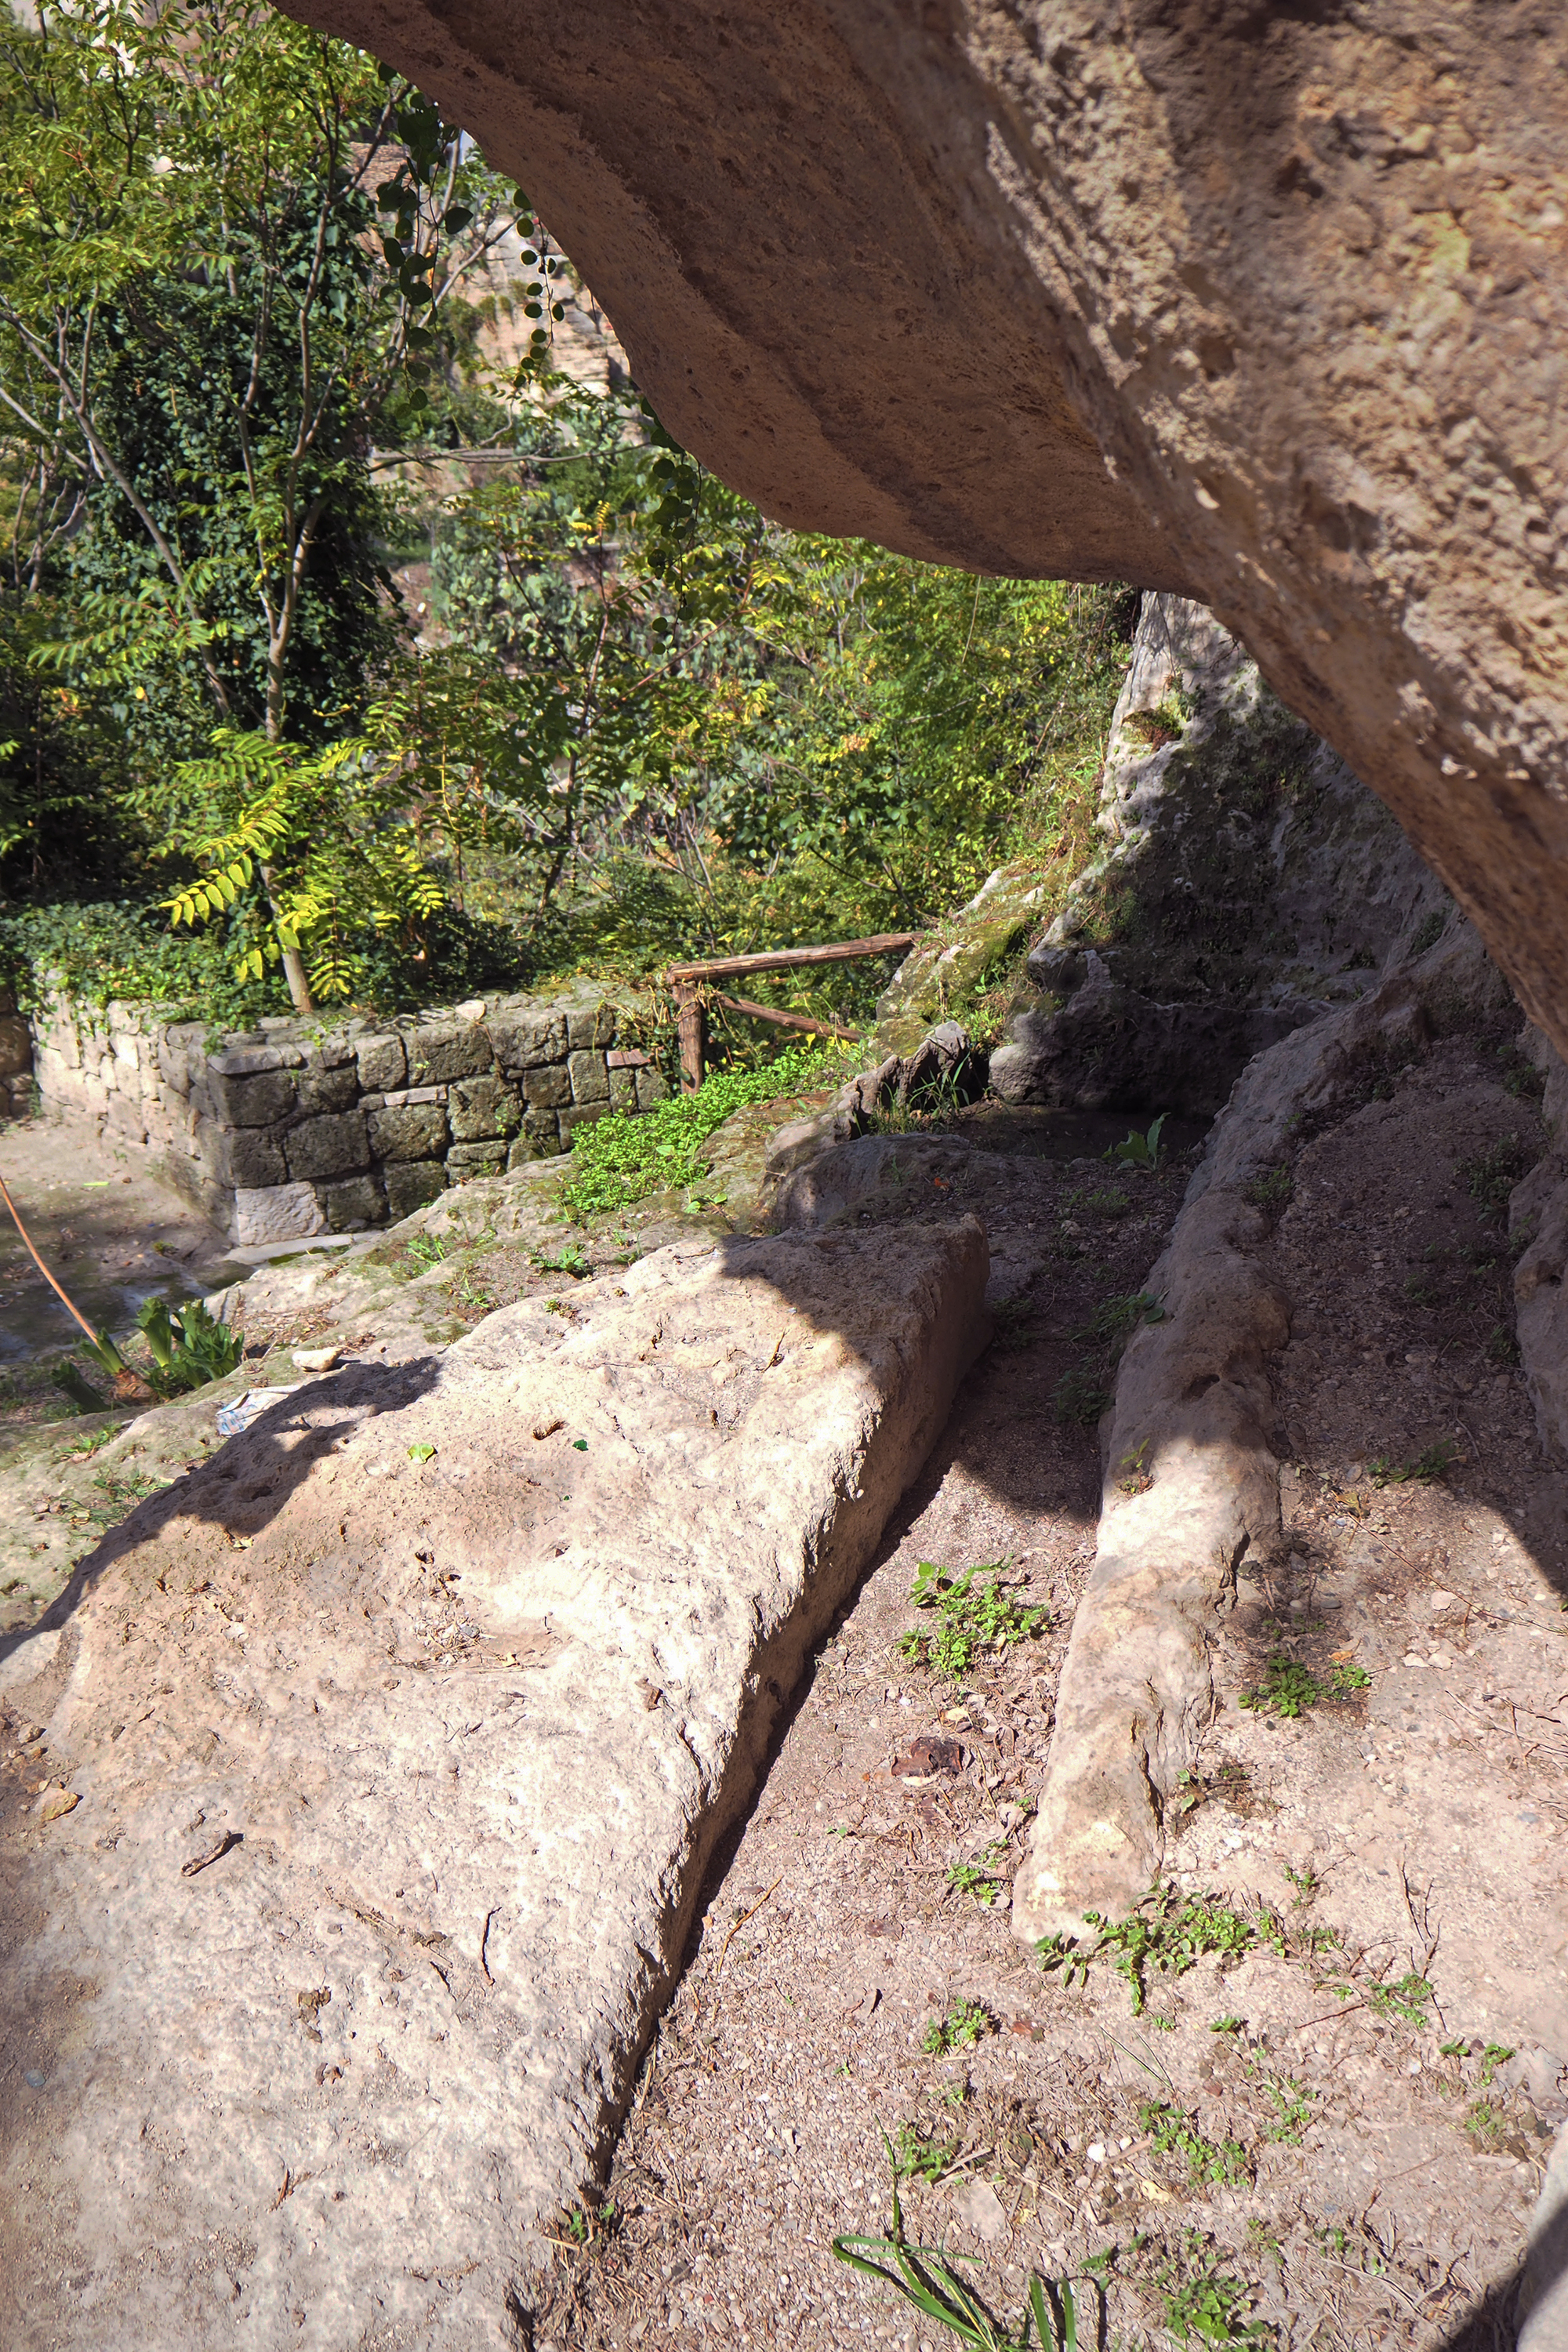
column 113, row 1235
column 1317, row 2096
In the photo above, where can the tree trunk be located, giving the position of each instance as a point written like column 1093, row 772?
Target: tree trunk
column 300, row 995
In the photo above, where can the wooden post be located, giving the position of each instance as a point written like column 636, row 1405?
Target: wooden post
column 691, row 1027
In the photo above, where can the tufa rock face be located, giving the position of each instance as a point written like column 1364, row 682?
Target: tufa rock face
column 398, row 1737
column 1263, row 306
column 1249, row 884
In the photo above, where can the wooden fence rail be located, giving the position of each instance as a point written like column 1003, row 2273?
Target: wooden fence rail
column 686, row 982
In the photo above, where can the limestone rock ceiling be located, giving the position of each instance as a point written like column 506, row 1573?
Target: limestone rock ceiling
column 1262, row 304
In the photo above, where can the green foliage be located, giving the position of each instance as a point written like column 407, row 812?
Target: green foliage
column 645, row 723
column 1490, row 1176
column 1137, row 1151
column 919, row 2156
column 1427, row 1467
column 1272, row 1191
column 1293, row 2110
column 1084, row 1392
column 1162, row 1933
column 104, row 949
column 925, row 2279
column 1406, row 1998
column 1212, row 2308
column 190, row 1348
column 1175, row 2133
column 980, row 1878
column 970, row 1618
column 1289, row 1688
column 622, row 1159
column 1082, row 1395
column 965, row 2024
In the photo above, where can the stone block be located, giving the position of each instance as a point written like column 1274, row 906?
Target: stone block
column 589, row 1026
column 528, row 1040
column 350, row 1205
column 401, row 1095
column 277, row 1213
column 16, row 1044
column 248, row 1061
column 623, row 1090
column 333, row 1145
column 437, row 1056
column 411, row 1131
column 548, row 1086
column 541, row 1137
column 410, row 1184
column 244, row 1157
column 590, row 1079
column 124, row 1050
column 327, row 1086
column 259, row 1100
column 483, row 1106
column 382, row 1064
column 125, row 1118
column 581, row 1114
column 467, row 1161
column 651, row 1089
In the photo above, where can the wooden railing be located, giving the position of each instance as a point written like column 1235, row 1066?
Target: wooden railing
column 692, row 996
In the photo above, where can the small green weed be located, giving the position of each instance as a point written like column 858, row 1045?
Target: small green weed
column 1502, row 1348
column 1272, row 1191
column 588, row 2228
column 1213, row 2309
column 967, row 2023
column 1141, row 1150
column 918, row 2156
column 1176, row 2133
column 1419, row 1291
column 1490, row 1177
column 1429, row 931
column 1114, row 1320
column 1495, row 2054
column 1405, row 1997
column 1225, row 2024
column 1486, row 2123
column 91, row 1444
column 1293, row 2110
column 1289, row 1688
column 427, row 1250
column 1160, row 1933
column 1132, row 1474
column 1107, row 1203
column 925, row 2278
column 978, row 1878
column 1081, row 1396
column 571, row 1258
column 969, row 1617
column 1426, row 1468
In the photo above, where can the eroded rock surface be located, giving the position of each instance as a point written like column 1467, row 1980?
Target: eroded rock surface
column 1248, row 884
column 386, row 1752
column 1192, row 1442
column 1264, row 307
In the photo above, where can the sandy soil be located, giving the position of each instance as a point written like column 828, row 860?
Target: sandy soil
column 113, row 1238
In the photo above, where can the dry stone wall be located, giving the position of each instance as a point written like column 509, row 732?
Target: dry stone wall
column 290, row 1130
